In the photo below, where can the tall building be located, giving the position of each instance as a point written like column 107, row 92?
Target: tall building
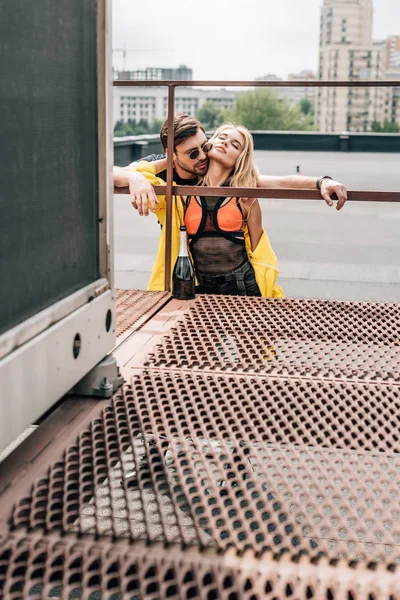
column 347, row 53
column 346, row 22
column 392, row 53
column 392, row 98
column 391, row 49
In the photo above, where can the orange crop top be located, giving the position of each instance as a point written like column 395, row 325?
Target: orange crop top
column 220, row 219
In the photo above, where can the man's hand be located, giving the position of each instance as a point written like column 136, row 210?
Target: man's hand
column 330, row 187
column 139, row 188
column 142, row 192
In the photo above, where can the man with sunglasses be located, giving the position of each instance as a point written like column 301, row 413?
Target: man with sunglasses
column 190, row 162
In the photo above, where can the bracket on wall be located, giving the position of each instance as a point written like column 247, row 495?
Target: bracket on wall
column 102, row 381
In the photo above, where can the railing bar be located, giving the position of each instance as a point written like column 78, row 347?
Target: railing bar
column 196, row 83
column 168, row 189
column 281, row 193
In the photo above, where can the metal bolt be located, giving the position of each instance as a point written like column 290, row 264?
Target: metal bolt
column 106, row 386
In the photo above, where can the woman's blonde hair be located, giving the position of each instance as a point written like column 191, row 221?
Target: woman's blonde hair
column 244, row 173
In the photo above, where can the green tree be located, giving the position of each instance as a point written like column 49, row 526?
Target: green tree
column 306, row 106
column 123, row 129
column 210, row 115
column 262, row 109
column 120, row 129
column 141, row 127
column 131, row 127
column 387, row 127
column 155, row 126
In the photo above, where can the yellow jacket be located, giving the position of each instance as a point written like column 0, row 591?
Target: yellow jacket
column 262, row 259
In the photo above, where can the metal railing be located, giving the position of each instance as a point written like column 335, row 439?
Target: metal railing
column 282, row 193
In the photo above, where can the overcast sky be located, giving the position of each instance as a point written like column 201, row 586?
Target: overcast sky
column 229, row 39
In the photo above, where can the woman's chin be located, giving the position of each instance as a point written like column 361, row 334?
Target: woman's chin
column 219, row 156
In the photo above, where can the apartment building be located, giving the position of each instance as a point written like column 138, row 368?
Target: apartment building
column 350, row 109
column 348, row 53
column 392, row 53
column 151, row 103
column 391, row 106
column 346, row 22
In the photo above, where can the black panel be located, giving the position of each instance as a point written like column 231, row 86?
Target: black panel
column 48, row 153
column 127, row 152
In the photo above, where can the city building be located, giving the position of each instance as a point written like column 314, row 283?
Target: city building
column 150, row 103
column 269, row 77
column 346, row 22
column 182, row 73
column 392, row 53
column 348, row 53
column 391, row 108
column 295, row 94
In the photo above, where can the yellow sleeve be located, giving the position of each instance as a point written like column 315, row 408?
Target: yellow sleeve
column 147, row 169
column 265, row 265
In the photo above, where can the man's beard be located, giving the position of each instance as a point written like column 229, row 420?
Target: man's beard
column 189, row 171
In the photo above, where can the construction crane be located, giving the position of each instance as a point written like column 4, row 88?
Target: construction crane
column 124, row 50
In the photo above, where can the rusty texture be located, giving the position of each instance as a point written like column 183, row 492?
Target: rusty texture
column 303, row 338
column 281, row 194
column 68, row 569
column 233, row 461
column 168, row 196
column 134, row 308
column 216, row 475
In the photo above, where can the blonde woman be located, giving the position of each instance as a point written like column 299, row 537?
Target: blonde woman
column 230, row 251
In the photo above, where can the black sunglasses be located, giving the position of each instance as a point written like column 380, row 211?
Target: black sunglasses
column 206, row 147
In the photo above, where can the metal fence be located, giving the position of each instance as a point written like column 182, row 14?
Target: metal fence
column 244, row 192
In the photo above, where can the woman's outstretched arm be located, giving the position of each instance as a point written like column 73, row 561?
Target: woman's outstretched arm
column 328, row 187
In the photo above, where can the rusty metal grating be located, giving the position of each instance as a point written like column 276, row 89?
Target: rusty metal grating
column 306, row 338
column 133, row 307
column 209, row 477
column 248, row 463
column 67, row 569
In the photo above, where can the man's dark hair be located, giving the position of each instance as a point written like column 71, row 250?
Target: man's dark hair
column 184, row 127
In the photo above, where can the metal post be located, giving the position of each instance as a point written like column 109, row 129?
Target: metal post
column 170, row 176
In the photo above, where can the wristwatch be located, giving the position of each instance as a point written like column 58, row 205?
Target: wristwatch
column 319, row 181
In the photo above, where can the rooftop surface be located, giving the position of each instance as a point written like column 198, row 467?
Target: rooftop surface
column 252, row 453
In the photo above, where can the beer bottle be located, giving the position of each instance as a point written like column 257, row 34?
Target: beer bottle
column 183, row 275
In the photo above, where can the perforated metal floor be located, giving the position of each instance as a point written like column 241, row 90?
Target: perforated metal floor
column 303, row 338
column 253, row 477
column 134, row 307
